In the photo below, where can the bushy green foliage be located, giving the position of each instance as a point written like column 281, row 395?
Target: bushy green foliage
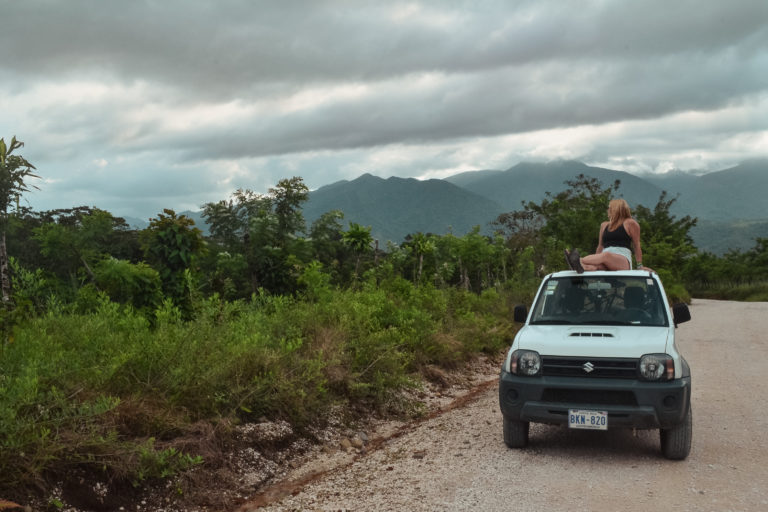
column 32, row 289
column 158, row 464
column 736, row 276
column 265, row 230
column 569, row 219
column 69, row 381
column 748, row 292
column 667, row 243
column 359, row 239
column 171, row 244
column 71, row 242
column 15, row 174
column 128, row 283
column 326, row 238
column 225, row 274
column 574, row 215
column 316, row 284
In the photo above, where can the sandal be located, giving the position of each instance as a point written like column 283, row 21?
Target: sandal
column 574, row 260
column 568, row 259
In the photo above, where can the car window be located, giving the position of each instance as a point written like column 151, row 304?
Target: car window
column 633, row 300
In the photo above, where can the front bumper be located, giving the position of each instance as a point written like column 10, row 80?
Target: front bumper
column 629, row 403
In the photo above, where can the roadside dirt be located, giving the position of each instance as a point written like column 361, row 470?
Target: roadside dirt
column 456, row 459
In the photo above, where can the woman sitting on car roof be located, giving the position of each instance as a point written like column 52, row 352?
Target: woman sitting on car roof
column 618, row 236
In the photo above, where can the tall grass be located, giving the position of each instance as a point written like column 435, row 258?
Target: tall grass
column 106, row 391
column 749, row 292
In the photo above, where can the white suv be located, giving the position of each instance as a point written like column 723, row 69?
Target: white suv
column 597, row 351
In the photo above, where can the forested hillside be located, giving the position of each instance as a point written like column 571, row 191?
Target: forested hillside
column 529, row 182
column 727, row 202
column 732, row 194
column 396, row 207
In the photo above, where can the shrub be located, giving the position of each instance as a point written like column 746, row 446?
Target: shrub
column 136, row 284
column 90, row 387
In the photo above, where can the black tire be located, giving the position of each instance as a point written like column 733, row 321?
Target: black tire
column 515, row 433
column 676, row 441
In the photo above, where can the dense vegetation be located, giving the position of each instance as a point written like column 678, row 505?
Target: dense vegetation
column 116, row 342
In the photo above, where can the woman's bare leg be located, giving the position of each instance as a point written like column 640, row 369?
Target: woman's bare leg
column 605, row 261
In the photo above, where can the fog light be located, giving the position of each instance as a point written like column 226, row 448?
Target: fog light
column 670, row 401
column 512, row 395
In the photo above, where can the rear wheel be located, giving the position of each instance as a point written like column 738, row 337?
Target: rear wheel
column 676, row 441
column 515, row 433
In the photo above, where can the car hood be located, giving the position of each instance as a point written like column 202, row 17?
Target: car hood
column 593, row 340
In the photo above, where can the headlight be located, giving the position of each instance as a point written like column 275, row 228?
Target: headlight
column 657, row 367
column 525, row 362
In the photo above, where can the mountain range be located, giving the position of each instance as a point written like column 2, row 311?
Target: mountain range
column 395, row 207
column 728, row 204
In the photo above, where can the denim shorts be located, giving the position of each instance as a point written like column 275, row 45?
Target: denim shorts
column 622, row 251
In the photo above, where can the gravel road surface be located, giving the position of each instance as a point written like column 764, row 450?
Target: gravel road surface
column 458, row 461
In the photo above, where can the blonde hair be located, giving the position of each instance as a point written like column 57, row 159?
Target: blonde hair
column 618, row 212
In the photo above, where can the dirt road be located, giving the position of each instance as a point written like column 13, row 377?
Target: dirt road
column 457, row 461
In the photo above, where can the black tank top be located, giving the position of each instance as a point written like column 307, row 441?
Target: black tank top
column 617, row 238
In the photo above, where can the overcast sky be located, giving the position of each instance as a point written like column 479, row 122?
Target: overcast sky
column 135, row 106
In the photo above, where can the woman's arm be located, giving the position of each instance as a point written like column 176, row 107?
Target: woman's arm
column 600, row 238
column 633, row 229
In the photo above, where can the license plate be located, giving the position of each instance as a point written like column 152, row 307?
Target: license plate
column 590, row 420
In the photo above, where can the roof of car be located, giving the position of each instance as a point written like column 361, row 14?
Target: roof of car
column 601, row 273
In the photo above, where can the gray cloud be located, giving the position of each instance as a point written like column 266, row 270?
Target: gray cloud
column 232, row 45
column 180, row 100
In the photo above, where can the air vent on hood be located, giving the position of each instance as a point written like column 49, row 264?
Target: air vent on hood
column 593, row 334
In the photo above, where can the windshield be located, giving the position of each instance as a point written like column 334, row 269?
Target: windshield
column 633, row 300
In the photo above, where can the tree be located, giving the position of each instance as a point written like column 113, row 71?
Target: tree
column 288, row 196
column 359, row 239
column 447, row 260
column 74, row 240
column 474, row 252
column 574, row 215
column 171, row 244
column 422, row 245
column 229, row 220
column 756, row 260
column 325, row 235
column 667, row 243
column 234, row 259
column 136, row 284
column 264, row 230
column 15, row 170
column 522, row 228
column 570, row 218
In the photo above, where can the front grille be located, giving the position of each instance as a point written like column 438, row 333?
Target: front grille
column 589, row 396
column 589, row 368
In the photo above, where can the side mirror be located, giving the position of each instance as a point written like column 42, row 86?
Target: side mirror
column 680, row 313
column 521, row 313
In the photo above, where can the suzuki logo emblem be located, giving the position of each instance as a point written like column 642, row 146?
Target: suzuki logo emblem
column 588, row 367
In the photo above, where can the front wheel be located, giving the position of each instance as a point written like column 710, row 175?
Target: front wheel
column 676, row 441
column 515, row 433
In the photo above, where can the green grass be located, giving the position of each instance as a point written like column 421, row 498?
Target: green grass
column 747, row 292
column 110, row 391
